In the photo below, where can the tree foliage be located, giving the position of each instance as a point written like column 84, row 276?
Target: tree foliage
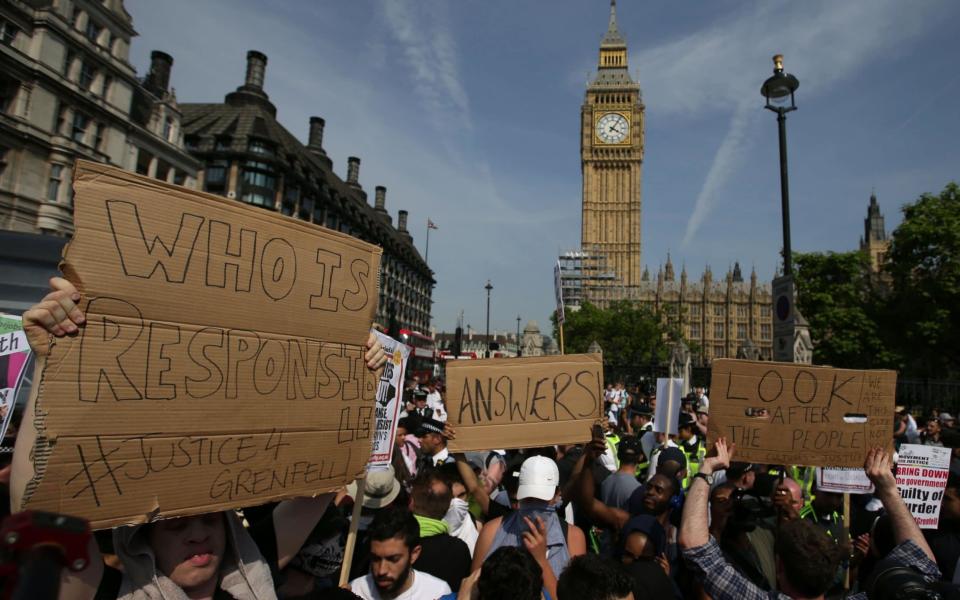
column 838, row 297
column 924, row 267
column 628, row 333
column 910, row 318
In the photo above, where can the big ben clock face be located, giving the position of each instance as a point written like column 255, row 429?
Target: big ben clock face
column 612, row 128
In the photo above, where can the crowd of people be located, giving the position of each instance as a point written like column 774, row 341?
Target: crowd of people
column 632, row 514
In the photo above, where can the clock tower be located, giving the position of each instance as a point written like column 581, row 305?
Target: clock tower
column 611, row 155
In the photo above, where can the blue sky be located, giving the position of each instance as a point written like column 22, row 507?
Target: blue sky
column 468, row 112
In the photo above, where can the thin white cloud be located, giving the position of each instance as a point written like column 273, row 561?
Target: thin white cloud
column 724, row 164
column 719, row 69
column 430, row 53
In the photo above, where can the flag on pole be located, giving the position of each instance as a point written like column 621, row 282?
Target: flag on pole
column 431, row 225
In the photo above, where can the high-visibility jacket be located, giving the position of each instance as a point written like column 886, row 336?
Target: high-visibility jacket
column 694, row 460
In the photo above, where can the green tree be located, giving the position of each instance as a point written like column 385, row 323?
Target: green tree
column 924, row 268
column 630, row 334
column 837, row 296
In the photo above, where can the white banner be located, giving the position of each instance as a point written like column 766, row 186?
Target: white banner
column 669, row 396
column 843, row 480
column 389, row 402
column 922, row 473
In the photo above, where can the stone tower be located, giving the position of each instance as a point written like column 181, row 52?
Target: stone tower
column 611, row 154
column 874, row 240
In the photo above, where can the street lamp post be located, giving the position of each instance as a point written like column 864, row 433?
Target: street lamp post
column 519, row 350
column 488, row 287
column 789, row 331
column 778, row 91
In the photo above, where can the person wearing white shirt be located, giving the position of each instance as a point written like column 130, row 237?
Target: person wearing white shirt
column 435, row 401
column 394, row 549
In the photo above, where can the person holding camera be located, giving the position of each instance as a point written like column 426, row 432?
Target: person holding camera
column 807, row 558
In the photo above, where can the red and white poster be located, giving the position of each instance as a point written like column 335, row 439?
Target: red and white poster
column 922, row 473
column 389, row 402
column 14, row 355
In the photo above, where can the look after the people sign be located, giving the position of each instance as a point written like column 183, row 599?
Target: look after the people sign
column 794, row 414
column 221, row 364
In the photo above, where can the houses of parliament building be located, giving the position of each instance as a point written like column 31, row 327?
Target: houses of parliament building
column 725, row 316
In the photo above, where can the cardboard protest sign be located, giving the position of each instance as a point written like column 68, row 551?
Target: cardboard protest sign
column 389, row 402
column 796, row 414
column 922, row 473
column 844, row 480
column 221, row 363
column 669, row 397
column 524, row 402
column 14, row 355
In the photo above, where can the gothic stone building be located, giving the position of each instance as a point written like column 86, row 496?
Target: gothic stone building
column 247, row 155
column 68, row 91
column 724, row 318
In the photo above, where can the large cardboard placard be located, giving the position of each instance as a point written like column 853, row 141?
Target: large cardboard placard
column 922, row 473
column 221, row 363
column 794, row 414
column 524, row 402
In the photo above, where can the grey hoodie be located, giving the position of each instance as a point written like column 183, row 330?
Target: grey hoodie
column 244, row 573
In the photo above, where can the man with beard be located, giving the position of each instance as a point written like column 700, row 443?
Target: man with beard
column 655, row 498
column 394, row 548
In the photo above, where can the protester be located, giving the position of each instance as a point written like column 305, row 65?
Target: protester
column 435, row 401
column 537, row 492
column 507, row 573
column 198, row 555
column 394, row 548
column 381, row 491
column 930, row 436
column 617, row 489
column 702, row 401
column 642, row 552
column 593, row 578
column 441, row 554
column 807, row 559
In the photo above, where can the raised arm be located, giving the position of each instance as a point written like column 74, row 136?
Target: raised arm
column 472, row 483
column 293, row 521
column 694, row 528
column 878, row 467
column 583, row 490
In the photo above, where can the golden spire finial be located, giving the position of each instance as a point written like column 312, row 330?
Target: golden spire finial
column 778, row 62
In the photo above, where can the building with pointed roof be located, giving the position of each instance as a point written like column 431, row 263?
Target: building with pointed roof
column 874, row 241
column 611, row 154
column 718, row 317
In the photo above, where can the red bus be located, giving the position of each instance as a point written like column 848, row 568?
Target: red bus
column 423, row 354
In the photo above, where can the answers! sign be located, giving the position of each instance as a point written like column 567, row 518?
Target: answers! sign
column 524, row 402
column 221, row 364
column 793, row 414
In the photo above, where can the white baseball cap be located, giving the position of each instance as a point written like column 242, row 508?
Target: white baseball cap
column 539, row 478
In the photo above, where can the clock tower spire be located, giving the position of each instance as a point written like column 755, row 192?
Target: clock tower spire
column 611, row 158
